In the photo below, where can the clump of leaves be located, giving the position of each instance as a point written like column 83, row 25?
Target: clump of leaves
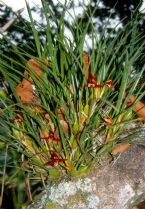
column 65, row 108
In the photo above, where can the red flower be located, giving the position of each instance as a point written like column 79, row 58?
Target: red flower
column 54, row 154
column 109, row 83
column 91, row 78
column 92, row 81
column 94, row 85
column 55, row 159
column 51, row 137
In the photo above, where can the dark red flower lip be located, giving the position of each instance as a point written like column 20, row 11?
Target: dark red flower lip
column 55, row 159
column 94, row 85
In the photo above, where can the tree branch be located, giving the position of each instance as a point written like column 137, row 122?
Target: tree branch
column 11, row 21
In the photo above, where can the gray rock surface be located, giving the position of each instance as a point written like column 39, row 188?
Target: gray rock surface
column 119, row 185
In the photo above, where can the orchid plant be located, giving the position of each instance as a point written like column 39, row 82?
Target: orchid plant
column 66, row 108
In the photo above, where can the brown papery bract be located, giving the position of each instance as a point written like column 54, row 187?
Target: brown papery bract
column 139, row 107
column 25, row 91
column 36, row 67
column 120, row 148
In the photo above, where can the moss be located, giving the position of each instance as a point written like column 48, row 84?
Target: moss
column 69, row 202
column 52, row 205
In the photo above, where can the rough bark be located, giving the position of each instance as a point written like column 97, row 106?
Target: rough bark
column 119, row 185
